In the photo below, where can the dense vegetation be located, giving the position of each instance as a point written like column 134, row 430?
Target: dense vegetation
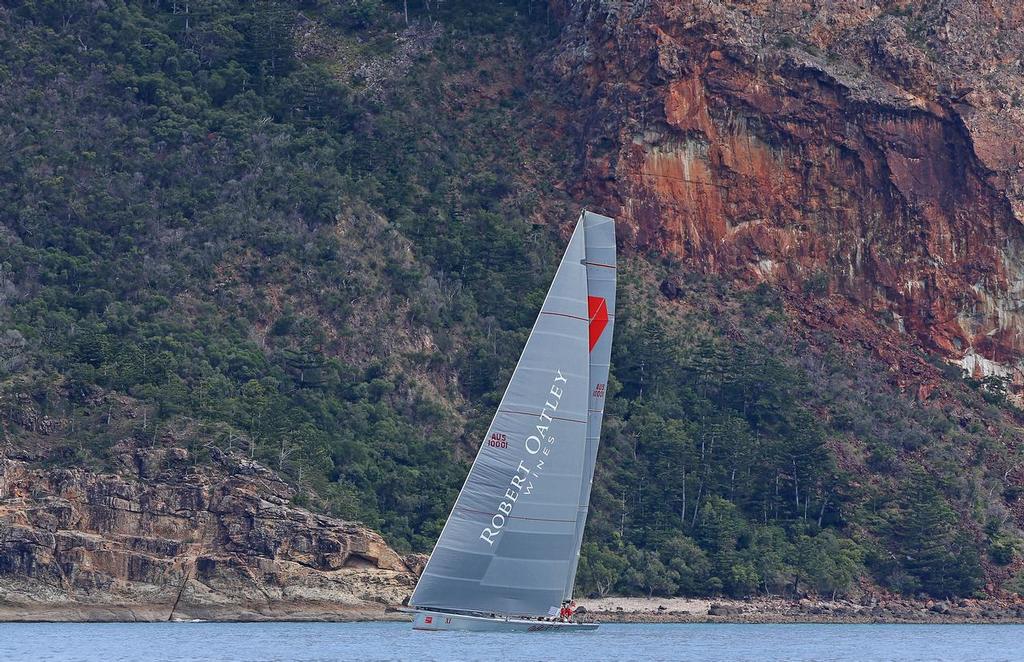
column 744, row 461
column 312, row 233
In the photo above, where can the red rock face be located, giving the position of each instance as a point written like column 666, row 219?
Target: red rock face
column 821, row 144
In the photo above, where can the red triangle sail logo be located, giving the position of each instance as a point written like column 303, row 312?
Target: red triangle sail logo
column 598, row 318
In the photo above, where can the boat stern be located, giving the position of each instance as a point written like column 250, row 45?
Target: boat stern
column 431, row 620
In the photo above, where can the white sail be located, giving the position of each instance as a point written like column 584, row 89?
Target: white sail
column 511, row 543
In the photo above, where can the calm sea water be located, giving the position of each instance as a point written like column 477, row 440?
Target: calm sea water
column 102, row 642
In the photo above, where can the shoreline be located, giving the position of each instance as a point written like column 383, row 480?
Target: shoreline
column 781, row 611
column 159, row 613
column 604, row 610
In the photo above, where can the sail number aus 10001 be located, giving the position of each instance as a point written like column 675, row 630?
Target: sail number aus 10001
column 498, row 440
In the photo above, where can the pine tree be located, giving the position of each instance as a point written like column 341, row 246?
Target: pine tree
column 942, row 561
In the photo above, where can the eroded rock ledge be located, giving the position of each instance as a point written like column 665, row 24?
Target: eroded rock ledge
column 166, row 539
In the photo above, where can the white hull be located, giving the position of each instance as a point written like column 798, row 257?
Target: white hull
column 437, row 621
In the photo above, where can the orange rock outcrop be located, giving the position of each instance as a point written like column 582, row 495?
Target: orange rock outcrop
column 875, row 150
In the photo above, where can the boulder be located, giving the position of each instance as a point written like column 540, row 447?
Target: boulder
column 717, row 609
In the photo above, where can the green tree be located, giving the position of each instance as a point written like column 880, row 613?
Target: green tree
column 827, row 563
column 600, row 570
column 689, row 563
column 941, row 560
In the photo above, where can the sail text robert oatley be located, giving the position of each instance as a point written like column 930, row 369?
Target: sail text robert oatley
column 537, row 447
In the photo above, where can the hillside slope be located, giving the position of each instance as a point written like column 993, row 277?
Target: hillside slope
column 313, row 235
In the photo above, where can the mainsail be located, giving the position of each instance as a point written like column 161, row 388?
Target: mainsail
column 511, row 543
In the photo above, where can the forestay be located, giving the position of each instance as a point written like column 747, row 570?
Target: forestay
column 511, row 543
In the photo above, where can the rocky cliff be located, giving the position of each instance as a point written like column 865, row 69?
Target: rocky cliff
column 163, row 539
column 870, row 149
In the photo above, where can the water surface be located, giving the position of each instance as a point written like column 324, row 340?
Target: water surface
column 259, row 642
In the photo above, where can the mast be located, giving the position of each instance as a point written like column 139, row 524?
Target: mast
column 600, row 260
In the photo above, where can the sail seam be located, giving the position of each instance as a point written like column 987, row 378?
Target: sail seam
column 526, row 413
column 534, row 519
column 575, row 317
column 598, row 264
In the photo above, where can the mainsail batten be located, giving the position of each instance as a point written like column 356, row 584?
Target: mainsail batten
column 511, row 542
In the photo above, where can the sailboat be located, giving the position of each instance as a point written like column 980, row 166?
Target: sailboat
column 507, row 556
